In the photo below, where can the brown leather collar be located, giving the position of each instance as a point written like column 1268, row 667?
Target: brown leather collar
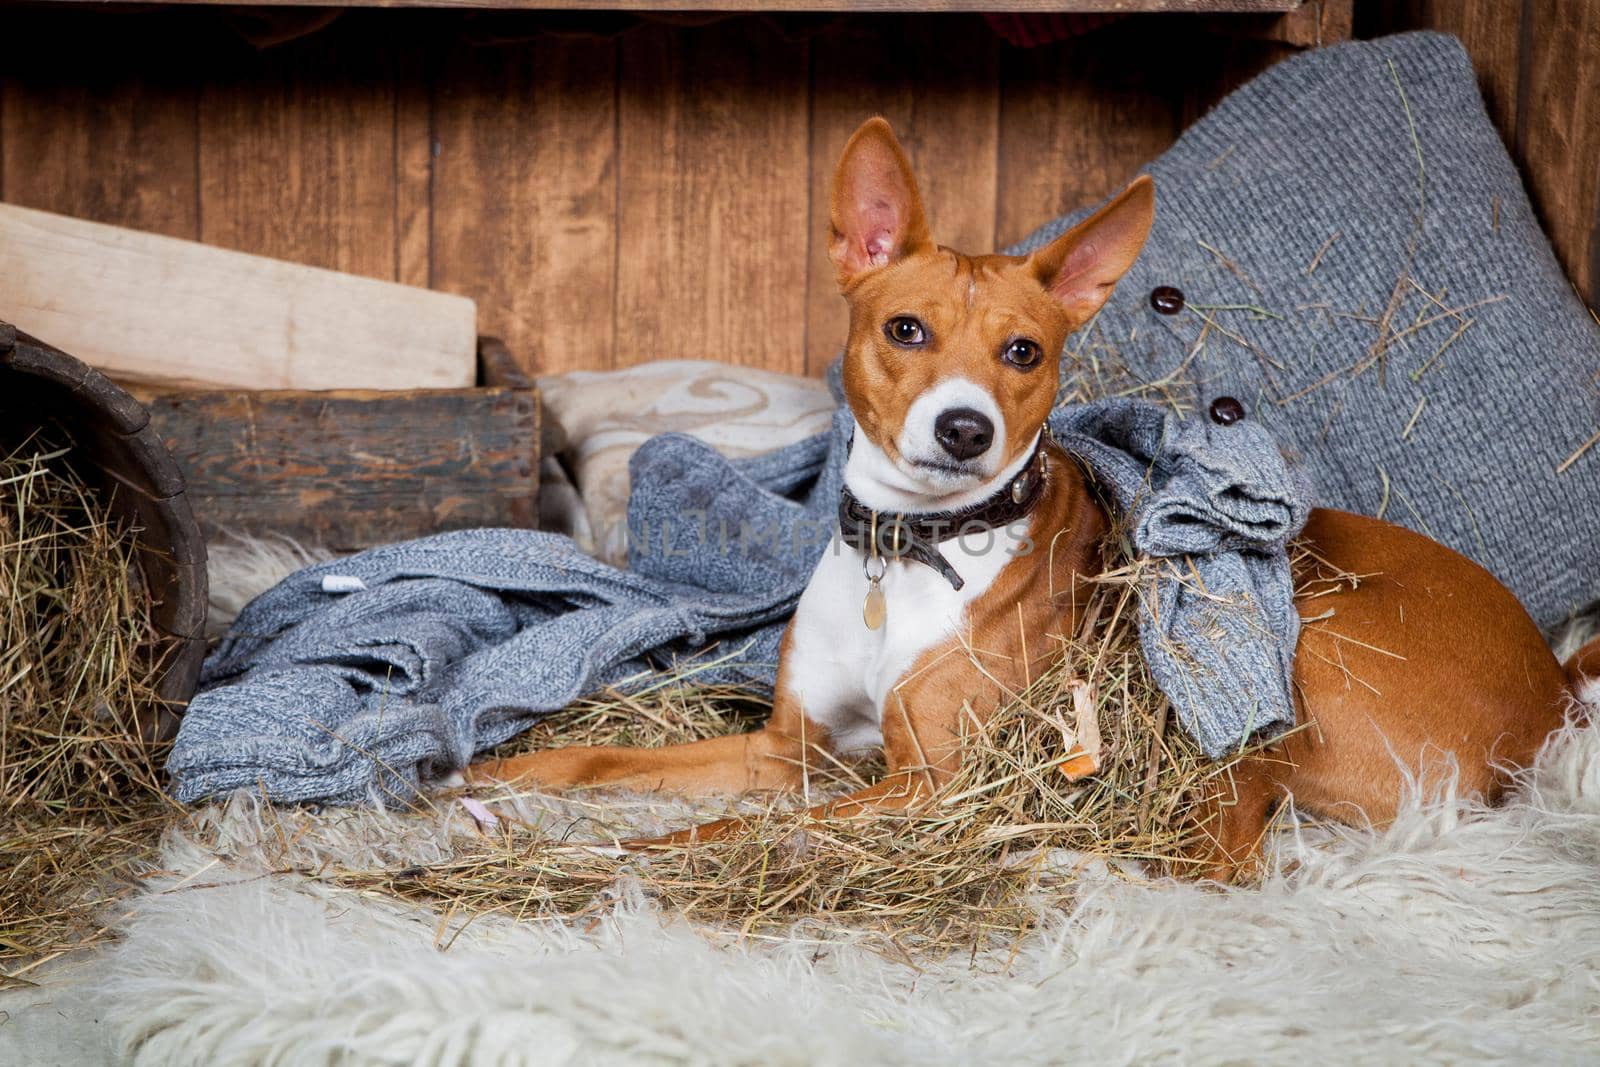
column 916, row 536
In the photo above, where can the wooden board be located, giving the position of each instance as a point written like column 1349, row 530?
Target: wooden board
column 807, row 5
column 305, row 132
column 713, row 197
column 74, row 137
column 143, row 307
column 525, row 195
column 1314, row 25
column 1558, row 131
column 413, row 170
column 1492, row 32
column 1078, row 120
column 539, row 173
column 350, row 469
column 1230, row 63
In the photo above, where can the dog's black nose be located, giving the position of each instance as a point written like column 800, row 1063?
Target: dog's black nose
column 964, row 433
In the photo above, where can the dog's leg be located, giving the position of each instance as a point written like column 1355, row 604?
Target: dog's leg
column 922, row 751
column 1239, row 814
column 1583, row 671
column 770, row 758
column 774, row 757
column 893, row 792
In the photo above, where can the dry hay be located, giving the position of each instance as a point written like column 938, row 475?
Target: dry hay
column 970, row 868
column 1003, row 838
column 80, row 795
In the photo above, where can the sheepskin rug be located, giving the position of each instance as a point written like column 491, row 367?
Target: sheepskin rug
column 1458, row 934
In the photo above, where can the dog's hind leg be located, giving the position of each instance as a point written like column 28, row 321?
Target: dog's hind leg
column 1583, row 672
column 1236, row 817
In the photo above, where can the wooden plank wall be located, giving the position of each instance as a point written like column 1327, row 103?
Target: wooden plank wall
column 606, row 200
column 613, row 193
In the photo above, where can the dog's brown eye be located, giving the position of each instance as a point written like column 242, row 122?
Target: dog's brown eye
column 904, row 330
column 1021, row 352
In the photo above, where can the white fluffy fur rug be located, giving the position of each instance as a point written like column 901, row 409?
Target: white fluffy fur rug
column 1457, row 934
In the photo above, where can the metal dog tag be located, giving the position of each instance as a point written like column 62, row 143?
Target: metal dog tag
column 876, row 608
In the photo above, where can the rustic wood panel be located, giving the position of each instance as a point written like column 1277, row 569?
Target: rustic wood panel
column 351, row 469
column 901, row 6
column 1224, row 63
column 297, row 154
column 525, row 196
column 1558, row 131
column 98, row 129
column 1491, row 31
column 610, row 201
column 1315, row 24
column 949, row 125
column 413, row 170
column 712, row 200
column 1078, row 119
column 498, row 367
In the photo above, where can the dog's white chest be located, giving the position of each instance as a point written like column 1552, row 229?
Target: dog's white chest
column 843, row 673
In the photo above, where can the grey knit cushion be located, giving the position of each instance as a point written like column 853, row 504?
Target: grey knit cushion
column 1435, row 374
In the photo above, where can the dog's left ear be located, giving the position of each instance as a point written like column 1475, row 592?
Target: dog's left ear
column 875, row 210
column 1083, row 265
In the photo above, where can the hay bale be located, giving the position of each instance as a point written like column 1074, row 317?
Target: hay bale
column 80, row 794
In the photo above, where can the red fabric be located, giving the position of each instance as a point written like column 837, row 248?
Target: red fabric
column 1030, row 31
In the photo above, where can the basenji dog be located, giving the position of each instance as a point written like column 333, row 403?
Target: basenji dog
column 950, row 371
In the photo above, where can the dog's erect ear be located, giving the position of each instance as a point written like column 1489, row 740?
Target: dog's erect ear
column 875, row 211
column 1082, row 266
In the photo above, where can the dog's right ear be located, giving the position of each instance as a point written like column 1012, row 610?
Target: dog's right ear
column 875, row 211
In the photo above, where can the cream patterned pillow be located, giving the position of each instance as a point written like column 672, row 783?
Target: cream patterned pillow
column 594, row 420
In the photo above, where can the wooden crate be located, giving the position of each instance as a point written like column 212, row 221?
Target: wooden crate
column 348, row 469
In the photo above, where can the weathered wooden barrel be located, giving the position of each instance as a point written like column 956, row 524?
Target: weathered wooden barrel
column 115, row 450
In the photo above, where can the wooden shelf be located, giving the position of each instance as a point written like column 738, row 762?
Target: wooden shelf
column 898, row 6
